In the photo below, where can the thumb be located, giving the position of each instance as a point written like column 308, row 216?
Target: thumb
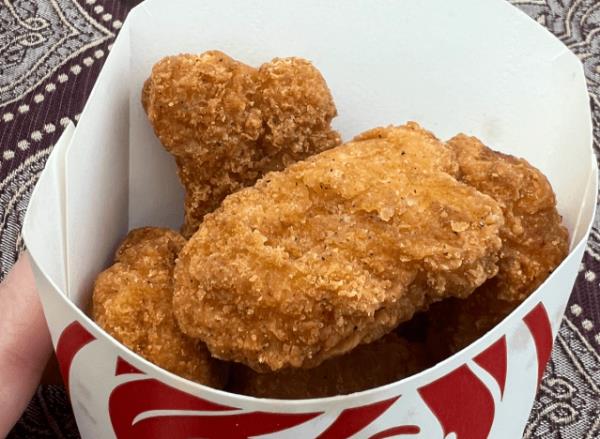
column 25, row 344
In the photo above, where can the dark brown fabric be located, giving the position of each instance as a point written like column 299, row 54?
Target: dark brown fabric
column 35, row 109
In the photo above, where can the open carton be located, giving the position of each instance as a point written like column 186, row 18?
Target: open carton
column 481, row 67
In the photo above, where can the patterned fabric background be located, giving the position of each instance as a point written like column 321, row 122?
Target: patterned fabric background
column 51, row 51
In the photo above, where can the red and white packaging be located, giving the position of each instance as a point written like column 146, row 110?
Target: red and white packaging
column 476, row 66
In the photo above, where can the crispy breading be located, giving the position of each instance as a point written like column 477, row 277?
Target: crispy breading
column 534, row 242
column 297, row 109
column 132, row 301
column 227, row 123
column 384, row 361
column 335, row 251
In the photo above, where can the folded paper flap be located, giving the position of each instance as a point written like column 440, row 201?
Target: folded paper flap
column 155, row 194
column 96, row 174
column 587, row 212
column 43, row 227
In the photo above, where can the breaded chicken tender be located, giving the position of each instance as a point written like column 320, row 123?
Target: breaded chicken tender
column 534, row 242
column 297, row 109
column 227, row 123
column 132, row 301
column 335, row 251
column 384, row 361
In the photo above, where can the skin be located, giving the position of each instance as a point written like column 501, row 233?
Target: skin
column 21, row 363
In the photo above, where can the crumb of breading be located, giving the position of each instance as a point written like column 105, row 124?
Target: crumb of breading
column 335, row 251
column 227, row 123
column 132, row 301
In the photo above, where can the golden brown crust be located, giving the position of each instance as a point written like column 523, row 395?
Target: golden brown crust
column 227, row 123
column 534, row 242
column 132, row 301
column 297, row 109
column 384, row 361
column 335, row 251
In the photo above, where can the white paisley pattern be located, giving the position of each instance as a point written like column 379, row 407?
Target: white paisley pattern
column 15, row 191
column 568, row 404
column 41, row 36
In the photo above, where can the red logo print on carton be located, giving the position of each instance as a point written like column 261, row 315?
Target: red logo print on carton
column 460, row 401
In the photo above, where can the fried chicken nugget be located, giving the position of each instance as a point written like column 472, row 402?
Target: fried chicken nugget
column 132, row 301
column 335, row 251
column 534, row 242
column 384, row 361
column 227, row 123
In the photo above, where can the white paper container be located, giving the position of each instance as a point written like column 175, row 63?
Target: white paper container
column 478, row 66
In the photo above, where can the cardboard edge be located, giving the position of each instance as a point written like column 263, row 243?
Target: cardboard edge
column 53, row 178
